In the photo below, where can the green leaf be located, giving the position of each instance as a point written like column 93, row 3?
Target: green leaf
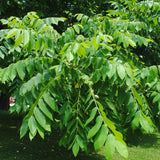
column 101, row 137
column 4, row 75
column 50, row 101
column 24, row 128
column 32, row 124
column 121, row 71
column 132, row 43
column 159, row 106
column 110, row 146
column 158, row 86
column 94, row 43
column 41, row 27
column 81, row 142
column 140, row 40
column 79, row 17
column 107, row 47
column 69, row 56
column 81, row 51
column 30, row 65
column 68, row 115
column 65, row 47
column 121, row 148
column 71, row 33
column 126, row 42
column 20, row 67
column 75, row 148
column 85, row 44
column 120, row 39
column 136, row 121
column 2, row 54
column 155, row 20
column 92, row 115
column 132, row 27
column 111, row 106
column 31, row 136
column 145, row 73
column 96, row 76
column 44, row 109
column 99, row 62
column 145, row 125
column 18, row 40
column 40, row 117
column 112, row 70
column 31, row 44
column 156, row 98
column 76, row 47
column 108, row 122
column 130, row 82
column 92, row 132
column 138, row 97
column 105, row 71
column 11, row 33
column 54, row 20
column 37, row 79
column 4, row 48
column 48, row 126
column 84, row 20
column 76, row 28
column 153, row 73
column 12, row 72
column 25, row 38
column 40, row 131
column 39, row 43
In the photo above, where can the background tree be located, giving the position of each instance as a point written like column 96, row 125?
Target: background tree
column 51, row 7
column 147, row 12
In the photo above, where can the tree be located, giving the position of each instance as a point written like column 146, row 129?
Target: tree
column 51, row 7
column 87, row 81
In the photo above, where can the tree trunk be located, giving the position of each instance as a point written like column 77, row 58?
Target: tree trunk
column 4, row 101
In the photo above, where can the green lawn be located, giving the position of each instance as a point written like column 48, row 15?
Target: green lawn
column 11, row 147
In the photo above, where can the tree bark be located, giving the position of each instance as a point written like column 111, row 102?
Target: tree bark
column 4, row 101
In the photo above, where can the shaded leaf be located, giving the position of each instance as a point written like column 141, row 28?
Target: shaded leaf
column 101, row 137
column 32, row 124
column 44, row 109
column 50, row 101
column 92, row 116
column 75, row 148
column 40, row 117
column 20, row 67
column 110, row 147
column 24, row 128
column 92, row 132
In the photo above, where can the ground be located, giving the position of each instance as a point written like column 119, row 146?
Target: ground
column 12, row 148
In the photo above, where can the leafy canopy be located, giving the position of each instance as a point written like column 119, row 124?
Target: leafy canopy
column 86, row 82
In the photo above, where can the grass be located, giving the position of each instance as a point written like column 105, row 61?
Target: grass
column 12, row 148
column 139, row 153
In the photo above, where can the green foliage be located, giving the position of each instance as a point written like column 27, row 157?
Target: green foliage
column 87, row 81
column 146, row 15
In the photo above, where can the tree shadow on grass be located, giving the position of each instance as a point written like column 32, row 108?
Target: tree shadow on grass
column 12, row 147
column 149, row 140
column 144, row 140
column 38, row 149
